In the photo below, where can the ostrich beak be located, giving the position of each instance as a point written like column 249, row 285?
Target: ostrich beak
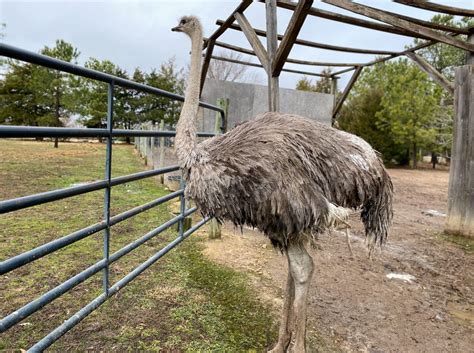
column 176, row 29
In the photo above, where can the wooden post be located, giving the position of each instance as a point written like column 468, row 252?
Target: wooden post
column 334, row 90
column 272, row 46
column 224, row 104
column 345, row 93
column 214, row 226
column 461, row 176
column 162, row 151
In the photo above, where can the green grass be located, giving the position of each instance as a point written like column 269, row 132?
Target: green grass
column 464, row 242
column 182, row 303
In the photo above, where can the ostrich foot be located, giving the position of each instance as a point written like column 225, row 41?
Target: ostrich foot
column 282, row 344
column 296, row 347
column 279, row 348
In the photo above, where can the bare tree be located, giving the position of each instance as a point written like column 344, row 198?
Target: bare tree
column 227, row 71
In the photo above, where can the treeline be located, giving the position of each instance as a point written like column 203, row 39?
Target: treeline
column 37, row 96
column 397, row 108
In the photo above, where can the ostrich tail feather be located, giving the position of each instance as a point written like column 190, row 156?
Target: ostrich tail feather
column 377, row 213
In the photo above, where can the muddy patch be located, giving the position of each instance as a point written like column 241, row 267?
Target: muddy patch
column 354, row 304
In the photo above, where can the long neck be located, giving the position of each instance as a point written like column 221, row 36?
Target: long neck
column 186, row 141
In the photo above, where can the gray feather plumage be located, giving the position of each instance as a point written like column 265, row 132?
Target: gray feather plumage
column 278, row 173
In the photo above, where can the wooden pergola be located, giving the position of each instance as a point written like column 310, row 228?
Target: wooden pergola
column 273, row 58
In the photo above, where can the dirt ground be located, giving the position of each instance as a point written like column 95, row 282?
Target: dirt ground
column 352, row 303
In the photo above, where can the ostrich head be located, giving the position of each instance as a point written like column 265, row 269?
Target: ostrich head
column 188, row 25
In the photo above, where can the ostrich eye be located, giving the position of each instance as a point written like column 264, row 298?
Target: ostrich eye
column 182, row 22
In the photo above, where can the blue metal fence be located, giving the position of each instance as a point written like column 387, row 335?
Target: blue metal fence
column 109, row 132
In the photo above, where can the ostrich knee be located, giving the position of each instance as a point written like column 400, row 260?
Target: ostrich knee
column 301, row 268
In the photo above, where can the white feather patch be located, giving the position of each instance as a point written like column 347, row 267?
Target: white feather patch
column 405, row 277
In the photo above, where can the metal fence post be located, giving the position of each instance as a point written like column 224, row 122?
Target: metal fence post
column 185, row 222
column 108, row 176
column 162, row 151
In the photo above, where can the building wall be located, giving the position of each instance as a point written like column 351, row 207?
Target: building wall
column 248, row 100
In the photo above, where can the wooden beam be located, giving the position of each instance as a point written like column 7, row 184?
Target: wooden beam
column 307, row 43
column 235, row 61
column 431, row 71
column 470, row 39
column 404, row 52
column 223, row 27
column 234, row 48
column 396, row 21
column 337, row 73
column 344, row 95
column 291, row 33
column 391, row 55
column 205, row 64
column 273, row 87
column 428, row 5
column 260, row 66
column 303, row 73
column 321, row 63
column 253, row 40
column 432, row 25
column 289, row 5
column 289, row 60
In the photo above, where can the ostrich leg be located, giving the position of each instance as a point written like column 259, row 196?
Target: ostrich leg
column 301, row 269
column 348, row 240
column 284, row 333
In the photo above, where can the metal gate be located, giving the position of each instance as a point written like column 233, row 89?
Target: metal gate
column 107, row 183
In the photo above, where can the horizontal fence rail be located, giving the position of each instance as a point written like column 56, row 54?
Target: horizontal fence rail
column 35, row 131
column 49, row 196
column 11, row 205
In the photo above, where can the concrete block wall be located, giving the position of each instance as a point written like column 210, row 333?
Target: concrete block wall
column 248, row 100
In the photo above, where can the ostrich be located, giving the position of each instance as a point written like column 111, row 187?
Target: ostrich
column 286, row 176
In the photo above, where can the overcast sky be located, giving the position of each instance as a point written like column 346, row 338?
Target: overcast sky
column 137, row 33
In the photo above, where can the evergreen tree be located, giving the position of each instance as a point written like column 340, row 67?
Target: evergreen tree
column 323, row 85
column 409, row 107
column 34, row 95
column 394, row 107
column 53, row 86
column 444, row 58
column 92, row 97
column 156, row 108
